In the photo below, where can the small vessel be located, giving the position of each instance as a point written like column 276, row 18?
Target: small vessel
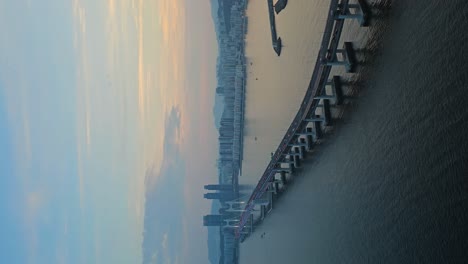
column 280, row 5
column 277, row 46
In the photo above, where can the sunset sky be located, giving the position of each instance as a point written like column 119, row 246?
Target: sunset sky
column 102, row 104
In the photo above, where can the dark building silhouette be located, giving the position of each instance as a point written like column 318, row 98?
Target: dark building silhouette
column 220, row 90
column 224, row 196
column 214, row 220
column 225, row 187
column 218, row 187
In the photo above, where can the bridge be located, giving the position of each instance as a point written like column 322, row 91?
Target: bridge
column 306, row 126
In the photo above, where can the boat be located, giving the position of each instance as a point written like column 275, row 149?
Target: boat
column 277, row 46
column 280, row 5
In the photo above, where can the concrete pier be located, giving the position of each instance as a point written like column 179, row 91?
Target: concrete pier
column 284, row 181
column 309, row 139
column 361, row 12
column 337, row 90
column 318, row 129
column 303, row 147
column 327, row 112
column 348, row 57
column 297, row 162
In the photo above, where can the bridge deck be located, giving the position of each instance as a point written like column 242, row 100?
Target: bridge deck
column 328, row 47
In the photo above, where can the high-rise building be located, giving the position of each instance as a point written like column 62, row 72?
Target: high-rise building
column 220, row 90
column 214, row 220
column 218, row 187
column 223, row 196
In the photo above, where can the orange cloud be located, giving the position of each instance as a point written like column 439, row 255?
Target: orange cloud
column 141, row 66
column 172, row 75
column 83, row 113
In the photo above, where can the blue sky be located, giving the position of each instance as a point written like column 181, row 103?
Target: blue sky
column 98, row 99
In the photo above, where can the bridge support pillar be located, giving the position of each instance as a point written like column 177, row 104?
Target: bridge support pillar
column 318, row 129
column 317, row 118
column 271, row 199
column 231, row 223
column 299, row 148
column 287, row 161
column 262, row 212
column 337, row 91
column 262, row 202
column 360, row 13
column 349, row 58
column 308, row 134
column 234, row 223
column 235, row 206
column 327, row 112
column 297, row 162
column 289, row 169
column 302, row 147
column 309, row 138
column 284, row 181
column 251, row 220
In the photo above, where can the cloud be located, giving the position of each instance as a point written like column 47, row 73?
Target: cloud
column 83, row 115
column 164, row 205
column 164, row 242
column 15, row 82
column 111, row 7
column 31, row 199
column 141, row 67
column 172, row 75
column 34, row 202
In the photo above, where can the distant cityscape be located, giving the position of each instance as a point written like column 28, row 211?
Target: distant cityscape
column 231, row 26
